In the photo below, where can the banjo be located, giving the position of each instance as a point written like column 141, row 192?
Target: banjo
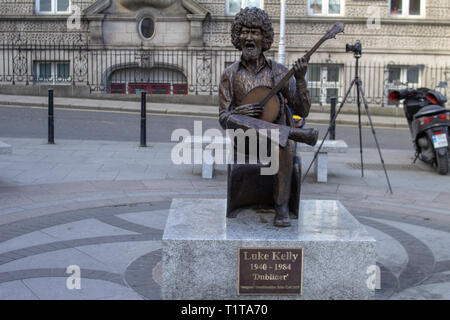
column 266, row 96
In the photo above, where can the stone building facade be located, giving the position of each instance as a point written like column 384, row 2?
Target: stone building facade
column 182, row 46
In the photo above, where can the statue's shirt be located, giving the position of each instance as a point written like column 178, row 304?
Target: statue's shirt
column 246, row 79
column 239, row 79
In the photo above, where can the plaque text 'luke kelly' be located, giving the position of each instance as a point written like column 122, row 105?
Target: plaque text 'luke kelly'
column 270, row 271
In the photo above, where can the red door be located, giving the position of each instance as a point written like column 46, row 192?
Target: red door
column 180, row 88
column 118, row 88
column 159, row 88
column 156, row 88
column 137, row 87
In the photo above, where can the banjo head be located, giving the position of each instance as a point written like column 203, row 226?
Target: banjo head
column 272, row 107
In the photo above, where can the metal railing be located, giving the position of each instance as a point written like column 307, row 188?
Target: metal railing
column 190, row 71
column 332, row 79
column 113, row 70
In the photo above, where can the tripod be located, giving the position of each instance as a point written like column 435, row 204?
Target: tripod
column 359, row 94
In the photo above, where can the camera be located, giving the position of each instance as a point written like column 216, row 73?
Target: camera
column 355, row 48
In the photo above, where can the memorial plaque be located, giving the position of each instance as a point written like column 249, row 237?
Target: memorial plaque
column 270, row 271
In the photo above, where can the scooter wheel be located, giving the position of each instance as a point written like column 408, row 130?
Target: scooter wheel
column 442, row 162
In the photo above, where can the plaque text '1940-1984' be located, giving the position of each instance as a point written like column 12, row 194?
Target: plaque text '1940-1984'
column 268, row 271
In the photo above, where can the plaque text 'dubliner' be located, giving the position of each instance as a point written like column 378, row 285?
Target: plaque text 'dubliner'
column 270, row 271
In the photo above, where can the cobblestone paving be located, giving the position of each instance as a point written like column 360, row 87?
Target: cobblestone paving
column 112, row 229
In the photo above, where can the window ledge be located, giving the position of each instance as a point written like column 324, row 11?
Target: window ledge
column 35, row 16
column 59, row 13
column 414, row 17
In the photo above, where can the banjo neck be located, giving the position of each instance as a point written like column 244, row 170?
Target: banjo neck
column 337, row 28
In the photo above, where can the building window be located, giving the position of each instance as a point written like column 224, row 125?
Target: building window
column 233, row 6
column 401, row 77
column 157, row 80
column 323, row 82
column 53, row 6
column 52, row 72
column 325, row 7
column 407, row 8
column 146, row 28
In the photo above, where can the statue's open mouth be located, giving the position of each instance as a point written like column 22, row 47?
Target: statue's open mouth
column 250, row 45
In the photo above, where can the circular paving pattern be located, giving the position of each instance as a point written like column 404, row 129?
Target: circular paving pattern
column 122, row 247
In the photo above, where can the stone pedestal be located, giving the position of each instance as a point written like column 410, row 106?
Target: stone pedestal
column 200, row 250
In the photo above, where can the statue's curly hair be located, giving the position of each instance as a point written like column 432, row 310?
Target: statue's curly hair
column 252, row 18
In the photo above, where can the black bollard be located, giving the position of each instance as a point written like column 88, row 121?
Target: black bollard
column 143, row 119
column 332, row 115
column 51, row 128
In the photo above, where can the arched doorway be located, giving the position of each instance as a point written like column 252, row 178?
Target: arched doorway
column 155, row 80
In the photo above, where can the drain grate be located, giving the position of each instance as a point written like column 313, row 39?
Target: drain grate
column 378, row 166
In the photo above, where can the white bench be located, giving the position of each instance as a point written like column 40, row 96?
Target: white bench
column 207, row 168
column 5, row 148
column 321, row 163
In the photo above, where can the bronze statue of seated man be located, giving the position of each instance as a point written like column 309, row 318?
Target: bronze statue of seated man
column 252, row 33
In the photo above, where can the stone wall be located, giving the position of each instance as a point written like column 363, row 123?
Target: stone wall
column 395, row 38
column 167, row 33
column 31, row 30
column 302, row 31
column 26, row 7
column 172, row 27
column 18, row 17
column 435, row 9
column 397, row 42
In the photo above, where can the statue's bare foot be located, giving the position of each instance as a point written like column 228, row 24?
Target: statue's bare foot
column 282, row 216
column 308, row 136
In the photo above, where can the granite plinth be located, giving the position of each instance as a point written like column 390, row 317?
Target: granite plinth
column 200, row 250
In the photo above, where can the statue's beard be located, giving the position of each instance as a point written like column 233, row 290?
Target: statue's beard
column 250, row 53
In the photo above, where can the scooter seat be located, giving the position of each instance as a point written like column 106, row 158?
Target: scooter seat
column 430, row 111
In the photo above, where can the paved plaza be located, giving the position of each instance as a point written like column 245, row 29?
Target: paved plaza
column 102, row 206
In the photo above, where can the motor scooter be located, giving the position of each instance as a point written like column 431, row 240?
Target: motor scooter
column 429, row 123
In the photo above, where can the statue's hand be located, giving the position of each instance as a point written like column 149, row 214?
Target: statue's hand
column 251, row 110
column 300, row 68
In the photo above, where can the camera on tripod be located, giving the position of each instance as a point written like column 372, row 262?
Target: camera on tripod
column 355, row 48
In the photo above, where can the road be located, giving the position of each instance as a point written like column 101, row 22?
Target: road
column 31, row 122
column 78, row 206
